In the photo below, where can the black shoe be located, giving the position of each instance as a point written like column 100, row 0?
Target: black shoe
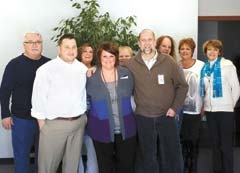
column 193, row 165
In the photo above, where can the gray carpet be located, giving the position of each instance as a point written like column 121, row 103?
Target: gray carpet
column 204, row 162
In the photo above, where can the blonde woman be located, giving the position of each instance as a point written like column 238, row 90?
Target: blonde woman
column 125, row 53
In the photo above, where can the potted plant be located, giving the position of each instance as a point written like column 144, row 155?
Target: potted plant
column 92, row 27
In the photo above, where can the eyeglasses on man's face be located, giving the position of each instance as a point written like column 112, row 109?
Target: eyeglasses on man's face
column 33, row 42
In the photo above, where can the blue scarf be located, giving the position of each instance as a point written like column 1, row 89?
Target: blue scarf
column 217, row 79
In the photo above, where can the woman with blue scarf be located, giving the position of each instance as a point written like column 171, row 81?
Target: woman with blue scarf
column 220, row 88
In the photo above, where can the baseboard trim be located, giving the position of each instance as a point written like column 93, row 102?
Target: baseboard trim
column 10, row 161
column 5, row 161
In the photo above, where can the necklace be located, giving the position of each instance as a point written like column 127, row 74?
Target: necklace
column 112, row 89
column 188, row 64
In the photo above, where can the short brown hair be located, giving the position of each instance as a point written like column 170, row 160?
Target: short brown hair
column 81, row 49
column 188, row 41
column 213, row 43
column 110, row 47
column 66, row 36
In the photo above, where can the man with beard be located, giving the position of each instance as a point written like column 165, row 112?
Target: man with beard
column 160, row 90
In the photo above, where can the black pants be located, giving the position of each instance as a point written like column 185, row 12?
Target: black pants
column 221, row 132
column 190, row 127
column 117, row 156
column 159, row 145
column 190, row 138
column 237, row 126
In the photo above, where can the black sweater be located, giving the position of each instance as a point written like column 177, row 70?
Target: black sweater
column 17, row 84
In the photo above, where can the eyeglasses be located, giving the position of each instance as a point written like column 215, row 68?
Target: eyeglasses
column 33, row 42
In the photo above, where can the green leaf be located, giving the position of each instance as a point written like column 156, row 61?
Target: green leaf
column 92, row 27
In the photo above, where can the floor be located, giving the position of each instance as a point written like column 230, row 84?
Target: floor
column 204, row 162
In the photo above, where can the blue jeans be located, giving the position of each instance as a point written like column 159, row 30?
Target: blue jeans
column 25, row 134
column 159, row 144
column 92, row 166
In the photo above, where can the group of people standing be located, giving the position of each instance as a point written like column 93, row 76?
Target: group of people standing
column 206, row 97
column 57, row 107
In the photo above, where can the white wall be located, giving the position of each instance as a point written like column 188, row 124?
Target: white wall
column 219, row 8
column 173, row 17
column 162, row 16
column 17, row 17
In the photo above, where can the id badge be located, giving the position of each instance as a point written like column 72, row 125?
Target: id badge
column 161, row 79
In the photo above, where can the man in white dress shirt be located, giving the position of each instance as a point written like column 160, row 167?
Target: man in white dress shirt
column 59, row 104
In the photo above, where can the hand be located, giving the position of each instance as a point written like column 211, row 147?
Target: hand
column 202, row 113
column 7, row 123
column 91, row 71
column 171, row 112
column 41, row 123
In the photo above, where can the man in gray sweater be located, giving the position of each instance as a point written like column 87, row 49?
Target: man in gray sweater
column 160, row 90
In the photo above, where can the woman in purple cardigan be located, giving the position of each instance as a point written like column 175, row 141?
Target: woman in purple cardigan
column 111, row 122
